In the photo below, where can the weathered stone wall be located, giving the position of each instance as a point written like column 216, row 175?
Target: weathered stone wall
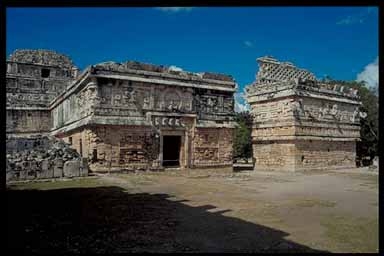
column 117, row 114
column 212, row 147
column 33, row 79
column 301, row 123
column 303, row 155
column 274, row 155
column 42, row 157
column 104, row 99
column 116, row 147
column 111, row 147
column 122, row 111
column 28, row 121
column 325, row 154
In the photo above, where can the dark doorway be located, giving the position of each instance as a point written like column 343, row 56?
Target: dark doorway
column 171, row 150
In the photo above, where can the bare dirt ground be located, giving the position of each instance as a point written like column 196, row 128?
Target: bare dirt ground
column 197, row 211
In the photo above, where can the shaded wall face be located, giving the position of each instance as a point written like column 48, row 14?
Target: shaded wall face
column 28, row 121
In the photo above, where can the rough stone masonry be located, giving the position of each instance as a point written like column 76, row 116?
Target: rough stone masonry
column 300, row 123
column 139, row 116
column 123, row 116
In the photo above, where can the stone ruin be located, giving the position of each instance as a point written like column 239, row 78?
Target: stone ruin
column 42, row 157
column 300, row 123
column 140, row 116
column 122, row 116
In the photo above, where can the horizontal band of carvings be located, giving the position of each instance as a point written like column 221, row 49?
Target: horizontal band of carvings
column 166, row 75
column 212, row 124
column 267, row 89
column 22, row 134
column 325, row 125
column 167, row 121
column 22, row 76
column 331, row 134
column 115, row 111
column 294, row 93
column 304, row 137
column 28, row 108
column 156, row 113
column 105, row 120
column 167, row 82
column 211, row 164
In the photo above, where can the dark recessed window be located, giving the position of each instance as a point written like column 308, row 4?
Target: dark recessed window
column 70, row 140
column 94, row 155
column 45, row 72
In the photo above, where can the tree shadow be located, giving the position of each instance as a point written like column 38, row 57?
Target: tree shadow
column 109, row 219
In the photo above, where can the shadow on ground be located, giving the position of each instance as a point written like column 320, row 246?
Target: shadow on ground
column 108, row 219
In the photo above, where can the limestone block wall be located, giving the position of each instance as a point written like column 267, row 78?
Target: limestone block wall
column 212, row 147
column 28, row 121
column 324, row 154
column 274, row 155
column 303, row 155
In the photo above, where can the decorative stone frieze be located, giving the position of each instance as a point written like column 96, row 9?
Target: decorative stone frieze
column 298, row 120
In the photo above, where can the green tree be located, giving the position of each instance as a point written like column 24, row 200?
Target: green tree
column 242, row 144
column 368, row 146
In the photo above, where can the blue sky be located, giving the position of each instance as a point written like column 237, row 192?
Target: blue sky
column 337, row 41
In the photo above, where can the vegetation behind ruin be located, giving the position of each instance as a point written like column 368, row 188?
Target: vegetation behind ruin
column 368, row 146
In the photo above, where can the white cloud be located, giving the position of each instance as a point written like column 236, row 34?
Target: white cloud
column 240, row 104
column 248, row 44
column 370, row 74
column 358, row 18
column 175, row 68
column 350, row 20
column 174, row 9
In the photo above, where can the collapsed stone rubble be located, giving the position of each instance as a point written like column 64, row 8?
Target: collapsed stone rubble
column 42, row 157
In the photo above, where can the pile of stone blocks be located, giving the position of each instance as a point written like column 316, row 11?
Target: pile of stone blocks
column 42, row 157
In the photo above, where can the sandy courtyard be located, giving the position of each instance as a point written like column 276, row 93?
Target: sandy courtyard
column 197, row 211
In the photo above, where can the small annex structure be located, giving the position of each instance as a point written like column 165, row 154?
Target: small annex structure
column 300, row 123
column 123, row 116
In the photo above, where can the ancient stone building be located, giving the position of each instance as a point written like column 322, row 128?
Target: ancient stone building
column 34, row 79
column 123, row 116
column 300, row 123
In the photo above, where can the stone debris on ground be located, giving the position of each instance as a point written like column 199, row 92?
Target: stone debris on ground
column 42, row 157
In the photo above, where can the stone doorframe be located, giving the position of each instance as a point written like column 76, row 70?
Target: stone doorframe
column 184, row 145
column 185, row 129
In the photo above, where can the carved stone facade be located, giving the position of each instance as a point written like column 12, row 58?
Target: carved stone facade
column 34, row 78
column 123, row 116
column 125, row 113
column 300, row 123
